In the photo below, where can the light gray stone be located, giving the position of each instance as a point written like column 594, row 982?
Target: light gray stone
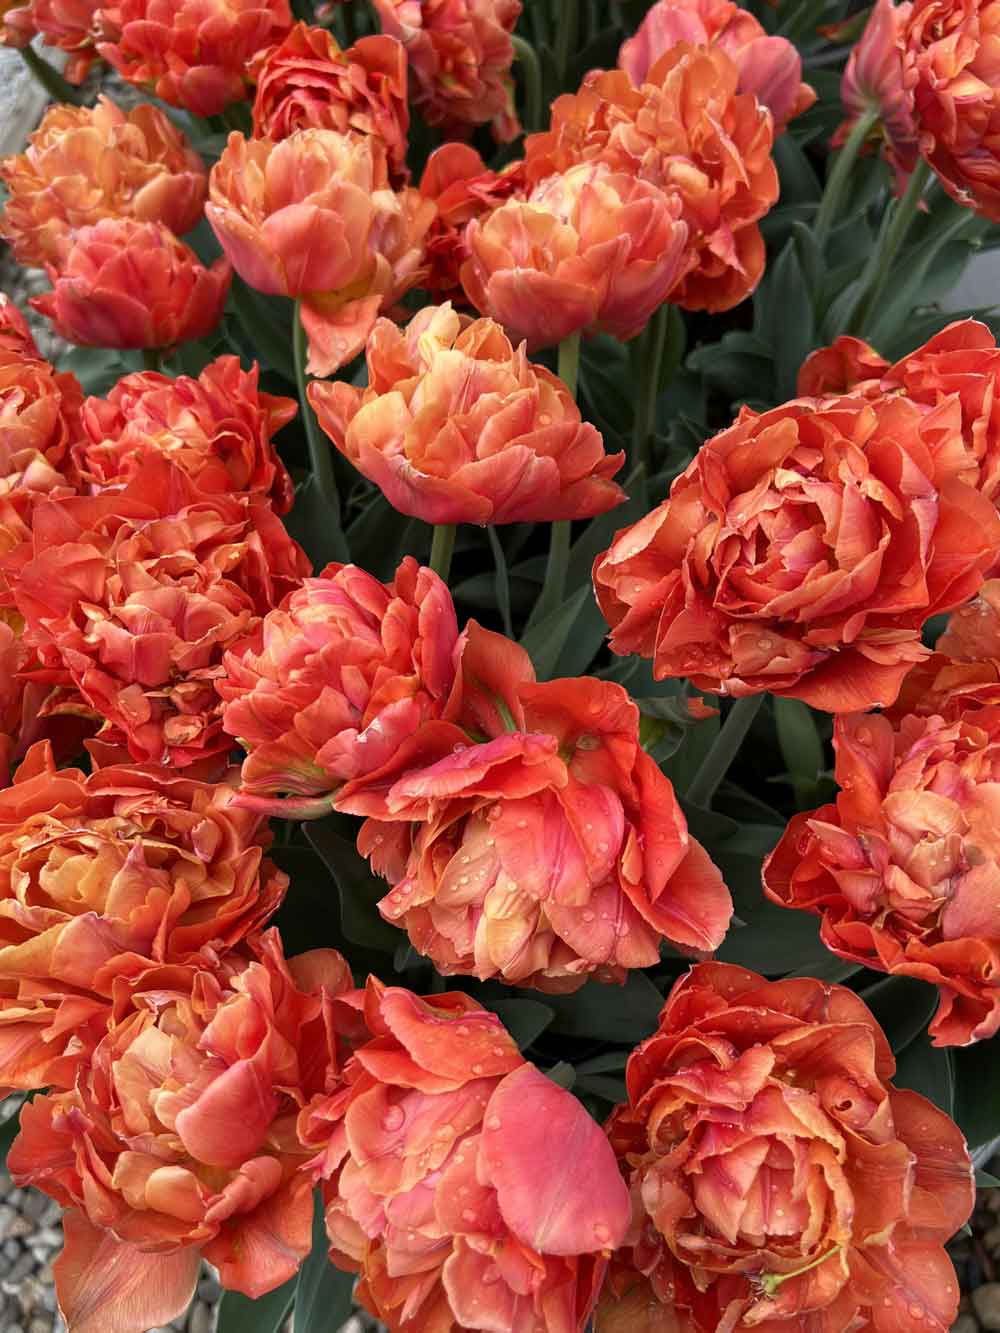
column 986, row 1303
column 201, row 1319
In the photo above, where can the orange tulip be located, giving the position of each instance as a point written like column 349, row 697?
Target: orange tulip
column 39, row 420
column 87, row 163
column 457, row 427
column 308, row 83
column 314, row 218
column 74, row 26
column 15, row 336
column 589, row 250
column 468, row 1190
column 778, row 1179
column 192, row 53
column 17, row 24
column 801, row 552
column 687, row 130
column 216, row 428
column 460, row 55
column 132, row 284
column 178, row 1141
column 769, row 67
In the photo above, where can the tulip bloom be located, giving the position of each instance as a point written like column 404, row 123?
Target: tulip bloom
column 72, row 25
column 462, row 187
column 132, row 284
column 801, row 552
column 952, row 66
column 778, row 1179
column 552, row 850
column 87, row 163
column 178, row 1141
column 314, row 218
column 902, row 868
column 39, row 419
column 589, row 250
column 194, row 54
column 100, row 876
column 689, row 131
column 307, row 82
column 134, row 596
column 467, row 1189
column 216, row 428
column 337, row 679
column 15, row 336
column 460, row 55
column 457, row 427
column 769, row 67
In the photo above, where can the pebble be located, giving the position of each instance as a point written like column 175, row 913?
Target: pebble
column 986, row 1303
column 201, row 1319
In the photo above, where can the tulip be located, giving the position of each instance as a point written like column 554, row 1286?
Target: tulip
column 194, row 54
column 901, row 868
column 457, row 427
column 39, row 418
column 778, row 1179
column 217, row 428
column 313, row 218
column 132, row 284
column 460, row 53
column 134, row 596
column 589, row 250
column 72, row 25
column 338, row 678
column 550, row 851
column 769, row 67
column 468, row 1190
column 801, row 552
column 178, row 1143
column 87, row 163
column 15, row 336
column 307, row 82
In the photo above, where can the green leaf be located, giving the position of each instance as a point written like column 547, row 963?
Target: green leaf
column 359, row 889
column 545, row 640
column 379, row 536
column 502, row 583
column 928, row 1070
column 98, row 368
column 903, row 1007
column 611, row 1090
column 9, row 1127
column 310, row 523
column 799, row 182
column 977, row 1091
column 267, row 1314
column 773, row 939
column 266, row 326
column 801, row 747
column 525, row 1020
column 625, row 1014
column 984, row 1181
column 323, row 1293
column 562, row 1074
column 783, row 318
column 834, row 970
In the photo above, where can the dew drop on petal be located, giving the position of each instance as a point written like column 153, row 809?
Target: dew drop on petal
column 601, row 1234
column 493, row 1122
column 393, row 1118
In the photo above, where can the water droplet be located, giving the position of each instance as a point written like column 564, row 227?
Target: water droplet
column 498, row 1051
column 522, row 823
column 457, row 749
column 602, row 1234
column 544, row 419
column 602, row 847
column 493, row 1122
column 463, row 879
column 588, row 915
column 588, row 743
column 393, row 1118
column 491, row 1274
column 864, row 735
column 464, row 860
column 468, row 1215
column 494, row 812
column 462, row 1030
column 477, row 1069
column 378, row 840
column 915, row 1311
column 764, row 644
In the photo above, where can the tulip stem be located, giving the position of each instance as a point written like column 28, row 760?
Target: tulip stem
column 49, row 77
column 554, row 587
column 839, row 177
column 152, row 359
column 532, row 76
column 320, row 452
column 903, row 212
column 715, row 765
column 442, row 546
column 665, row 328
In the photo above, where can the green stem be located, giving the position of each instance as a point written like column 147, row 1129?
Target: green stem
column 569, row 362
column 653, row 342
column 554, row 587
column 903, row 213
column 772, row 1281
column 442, row 546
column 837, row 181
column 566, row 29
column 715, row 765
column 532, row 76
column 350, row 27
column 320, row 450
column 152, row 359
column 49, row 77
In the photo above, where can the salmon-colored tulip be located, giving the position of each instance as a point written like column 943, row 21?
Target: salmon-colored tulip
column 87, row 163
column 769, row 67
column 15, row 336
column 178, row 1141
column 462, row 187
column 314, row 218
column 98, row 874
column 467, row 1189
column 217, row 428
column 339, row 677
column 39, row 419
column 123, row 283
column 17, row 25
column 307, row 82
column 552, row 850
column 778, row 1179
column 589, row 250
column 192, row 53
column 688, row 130
column 801, row 552
column 134, row 596
column 874, row 80
column 75, row 26
column 904, row 869
column 456, row 426
column 460, row 55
